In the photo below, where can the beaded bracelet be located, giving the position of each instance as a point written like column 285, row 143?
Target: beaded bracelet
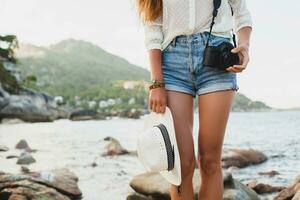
column 156, row 84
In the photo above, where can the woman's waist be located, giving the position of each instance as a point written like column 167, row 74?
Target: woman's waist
column 196, row 36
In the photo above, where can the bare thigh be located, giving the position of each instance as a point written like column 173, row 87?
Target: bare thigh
column 181, row 106
column 214, row 109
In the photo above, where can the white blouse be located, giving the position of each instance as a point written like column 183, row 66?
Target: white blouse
column 190, row 16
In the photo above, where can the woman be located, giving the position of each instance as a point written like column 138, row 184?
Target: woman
column 175, row 35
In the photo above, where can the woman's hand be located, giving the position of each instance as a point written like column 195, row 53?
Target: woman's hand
column 242, row 51
column 158, row 100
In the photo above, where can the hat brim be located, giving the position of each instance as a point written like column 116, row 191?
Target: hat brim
column 173, row 176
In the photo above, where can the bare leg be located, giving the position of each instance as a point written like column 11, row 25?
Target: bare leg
column 214, row 109
column 181, row 106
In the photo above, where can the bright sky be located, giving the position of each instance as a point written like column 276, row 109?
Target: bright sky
column 273, row 75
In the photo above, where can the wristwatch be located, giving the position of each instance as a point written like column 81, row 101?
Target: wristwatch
column 155, row 84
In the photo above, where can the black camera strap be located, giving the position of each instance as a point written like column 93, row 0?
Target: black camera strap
column 233, row 35
column 217, row 4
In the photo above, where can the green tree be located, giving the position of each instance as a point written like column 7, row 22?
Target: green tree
column 8, row 44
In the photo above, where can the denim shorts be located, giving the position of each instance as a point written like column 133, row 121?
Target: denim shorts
column 183, row 69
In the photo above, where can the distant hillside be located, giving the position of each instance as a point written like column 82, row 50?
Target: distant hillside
column 243, row 103
column 28, row 50
column 73, row 66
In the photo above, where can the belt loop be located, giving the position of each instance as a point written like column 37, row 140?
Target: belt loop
column 202, row 38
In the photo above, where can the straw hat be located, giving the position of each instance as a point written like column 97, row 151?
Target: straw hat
column 157, row 147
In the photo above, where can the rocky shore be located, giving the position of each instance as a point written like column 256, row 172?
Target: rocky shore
column 56, row 184
column 110, row 165
column 33, row 106
column 29, row 106
column 152, row 186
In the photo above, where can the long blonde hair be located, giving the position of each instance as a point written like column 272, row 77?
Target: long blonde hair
column 149, row 10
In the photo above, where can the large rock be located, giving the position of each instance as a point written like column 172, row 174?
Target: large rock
column 3, row 148
column 11, row 121
column 85, row 114
column 12, row 156
column 153, row 186
column 242, row 157
column 17, row 197
column 115, row 148
column 30, row 106
column 25, row 159
column 269, row 173
column 27, row 190
column 292, row 192
column 4, row 97
column 135, row 196
column 130, row 113
column 262, row 188
column 58, row 184
column 134, row 113
column 22, row 144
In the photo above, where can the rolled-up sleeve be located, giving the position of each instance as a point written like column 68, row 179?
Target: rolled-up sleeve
column 153, row 34
column 241, row 14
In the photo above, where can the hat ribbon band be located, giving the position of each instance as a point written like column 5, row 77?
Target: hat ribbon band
column 169, row 146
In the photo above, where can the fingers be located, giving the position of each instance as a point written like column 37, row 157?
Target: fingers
column 235, row 68
column 244, row 57
column 158, row 106
column 241, row 47
column 236, row 49
column 162, row 107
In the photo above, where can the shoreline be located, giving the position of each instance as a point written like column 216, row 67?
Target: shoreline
column 138, row 115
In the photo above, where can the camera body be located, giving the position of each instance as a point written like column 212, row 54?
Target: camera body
column 220, row 56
